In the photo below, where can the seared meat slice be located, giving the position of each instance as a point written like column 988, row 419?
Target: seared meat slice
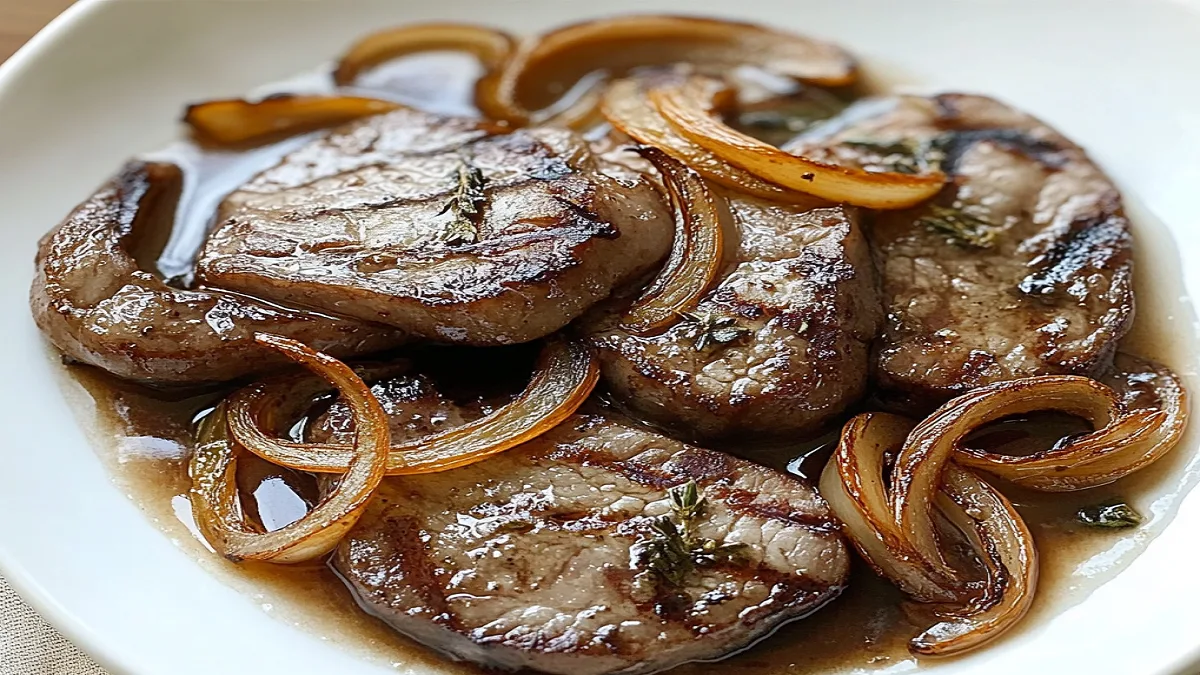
column 1022, row 266
column 441, row 227
column 799, row 300
column 531, row 558
column 91, row 299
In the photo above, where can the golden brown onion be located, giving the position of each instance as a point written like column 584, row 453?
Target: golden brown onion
column 214, row 494
column 1123, row 442
column 969, row 616
column 696, row 253
column 237, row 122
column 546, row 67
column 565, row 376
column 1003, row 542
column 492, row 47
column 691, row 105
column 628, row 109
column 853, row 484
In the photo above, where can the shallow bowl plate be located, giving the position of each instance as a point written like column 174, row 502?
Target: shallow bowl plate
column 108, row 79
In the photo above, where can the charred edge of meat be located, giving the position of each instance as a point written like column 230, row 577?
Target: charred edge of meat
column 956, row 144
column 1092, row 242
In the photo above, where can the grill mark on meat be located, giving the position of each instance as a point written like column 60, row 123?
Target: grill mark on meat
column 801, row 281
column 526, row 560
column 956, row 143
column 709, row 469
column 1093, row 242
column 98, row 306
column 555, row 234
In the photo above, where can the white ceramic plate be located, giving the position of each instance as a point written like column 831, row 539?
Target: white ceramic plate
column 108, row 79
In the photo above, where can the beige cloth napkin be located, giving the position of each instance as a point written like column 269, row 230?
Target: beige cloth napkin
column 30, row 646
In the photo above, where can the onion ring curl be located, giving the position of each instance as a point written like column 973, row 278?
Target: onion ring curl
column 491, row 47
column 969, row 613
column 546, row 66
column 1126, row 438
column 627, row 107
column 214, row 495
column 696, row 253
column 565, row 375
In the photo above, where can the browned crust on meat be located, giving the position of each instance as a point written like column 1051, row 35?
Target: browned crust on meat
column 1050, row 294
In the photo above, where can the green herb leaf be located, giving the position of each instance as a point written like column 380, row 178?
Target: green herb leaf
column 1113, row 515
column 963, row 228
column 466, row 205
column 713, row 329
column 674, row 551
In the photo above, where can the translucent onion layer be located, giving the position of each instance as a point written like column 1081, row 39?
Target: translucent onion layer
column 214, row 496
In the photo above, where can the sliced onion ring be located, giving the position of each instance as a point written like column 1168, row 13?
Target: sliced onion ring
column 1124, row 440
column 626, row 107
column 690, row 106
column 853, row 485
column 566, row 374
column 545, row 67
column 1001, row 539
column 696, row 253
column 214, row 494
column 237, row 122
column 492, row 47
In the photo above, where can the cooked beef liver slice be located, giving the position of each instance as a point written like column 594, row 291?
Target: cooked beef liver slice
column 93, row 302
column 527, row 559
column 1052, row 293
column 800, row 281
column 353, row 224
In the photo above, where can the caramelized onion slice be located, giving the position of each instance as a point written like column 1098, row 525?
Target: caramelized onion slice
column 627, row 108
column 691, row 105
column 1003, row 542
column 1125, row 439
column 696, row 254
column 547, row 66
column 214, row 494
column 237, row 122
column 566, row 374
column 492, row 47
column 853, row 484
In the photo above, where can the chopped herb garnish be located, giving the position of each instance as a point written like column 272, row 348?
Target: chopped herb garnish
column 465, row 205
column 963, row 228
column 675, row 550
column 713, row 329
column 905, row 155
column 1113, row 515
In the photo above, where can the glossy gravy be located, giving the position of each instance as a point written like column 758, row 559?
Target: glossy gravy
column 145, row 438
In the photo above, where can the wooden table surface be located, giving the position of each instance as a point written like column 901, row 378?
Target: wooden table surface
column 20, row 19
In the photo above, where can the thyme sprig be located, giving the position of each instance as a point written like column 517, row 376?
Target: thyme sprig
column 963, row 228
column 713, row 329
column 466, row 205
column 674, row 550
